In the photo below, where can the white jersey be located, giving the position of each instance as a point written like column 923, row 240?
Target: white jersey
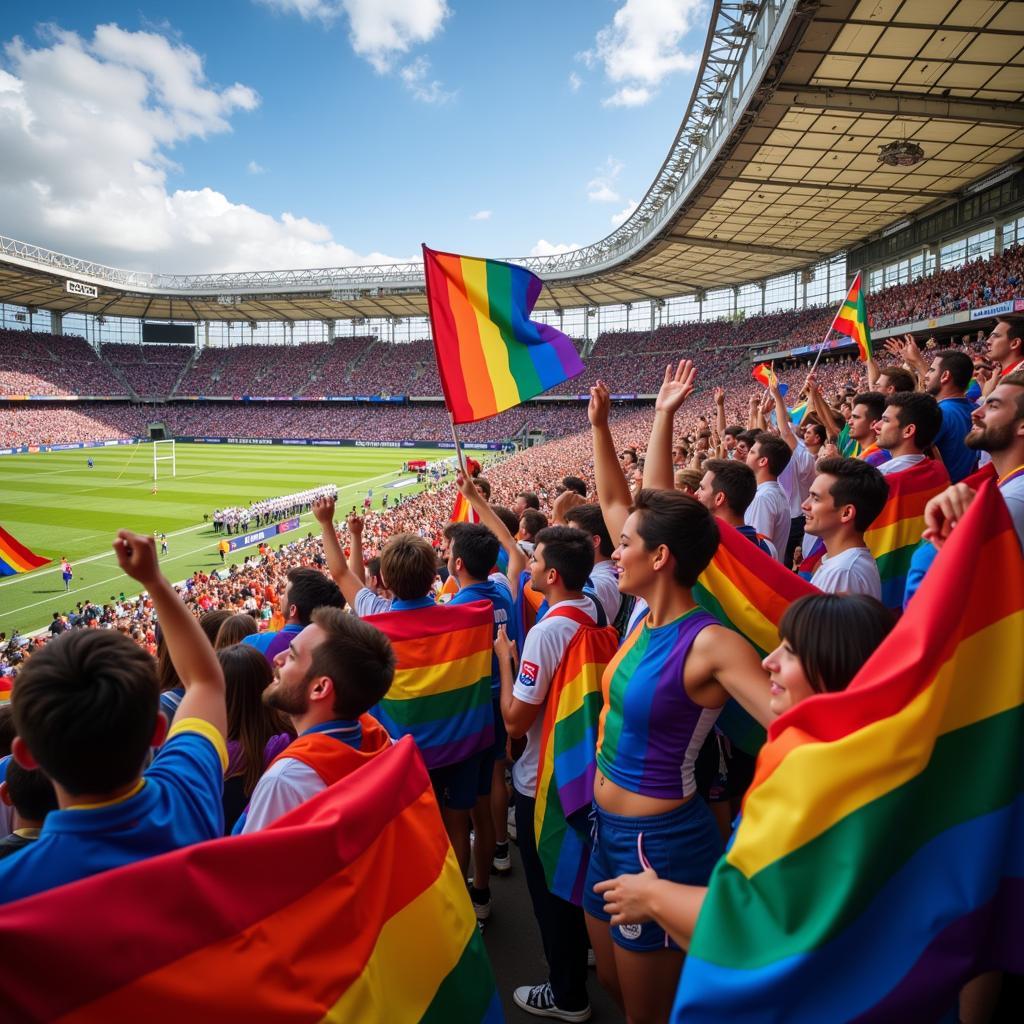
column 797, row 477
column 1013, row 494
column 282, row 787
column 369, row 603
column 850, row 572
column 605, row 581
column 769, row 515
column 899, row 463
column 543, row 650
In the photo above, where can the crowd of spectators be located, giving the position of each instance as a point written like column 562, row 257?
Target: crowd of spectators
column 151, row 371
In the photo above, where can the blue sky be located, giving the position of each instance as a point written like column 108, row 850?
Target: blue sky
column 270, row 133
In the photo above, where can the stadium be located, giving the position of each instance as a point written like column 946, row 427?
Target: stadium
column 824, row 143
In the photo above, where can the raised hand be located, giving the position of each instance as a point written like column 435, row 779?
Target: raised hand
column 563, row 503
column 719, row 396
column 355, row 525
column 503, row 646
column 600, row 404
column 136, row 555
column 323, row 509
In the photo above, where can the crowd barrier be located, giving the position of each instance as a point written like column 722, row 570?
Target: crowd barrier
column 33, row 449
column 318, row 442
column 264, row 533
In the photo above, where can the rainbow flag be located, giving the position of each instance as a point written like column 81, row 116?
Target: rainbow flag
column 234, row 929
column 490, row 354
column 15, row 558
column 529, row 606
column 852, row 320
column 567, row 758
column 879, row 864
column 462, row 511
column 6, row 687
column 441, row 694
column 894, row 536
column 747, row 590
column 764, row 375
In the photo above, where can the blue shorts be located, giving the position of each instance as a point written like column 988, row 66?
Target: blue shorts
column 457, row 786
column 682, row 845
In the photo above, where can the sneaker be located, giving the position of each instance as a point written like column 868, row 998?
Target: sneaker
column 591, row 958
column 502, row 862
column 511, row 823
column 540, row 1001
column 481, row 899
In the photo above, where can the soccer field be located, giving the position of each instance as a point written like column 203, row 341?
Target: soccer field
column 56, row 506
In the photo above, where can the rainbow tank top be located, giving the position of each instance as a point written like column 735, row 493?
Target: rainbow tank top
column 651, row 731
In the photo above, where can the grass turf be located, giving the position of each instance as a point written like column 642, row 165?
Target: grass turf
column 55, row 505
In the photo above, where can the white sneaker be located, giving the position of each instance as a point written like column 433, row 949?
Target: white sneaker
column 502, row 862
column 512, row 823
column 540, row 1001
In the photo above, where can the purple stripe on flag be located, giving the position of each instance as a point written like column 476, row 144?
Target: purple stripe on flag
column 458, row 750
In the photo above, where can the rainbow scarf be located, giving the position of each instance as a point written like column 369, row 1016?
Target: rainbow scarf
column 490, row 354
column 852, row 320
column 894, row 536
column 877, row 867
column 15, row 558
column 530, row 606
column 566, row 757
column 441, row 694
column 748, row 591
column 349, row 908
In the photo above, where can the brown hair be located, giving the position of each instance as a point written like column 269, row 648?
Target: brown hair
column 356, row 657
column 833, row 635
column 408, row 566
column 683, row 525
column 234, row 629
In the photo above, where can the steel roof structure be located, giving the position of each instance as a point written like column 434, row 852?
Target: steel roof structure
column 774, row 169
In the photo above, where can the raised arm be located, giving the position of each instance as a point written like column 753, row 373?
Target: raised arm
column 822, row 410
column 784, row 423
column 192, row 654
column 720, row 423
column 612, row 490
column 348, row 582
column 675, row 389
column 488, row 517
column 355, row 552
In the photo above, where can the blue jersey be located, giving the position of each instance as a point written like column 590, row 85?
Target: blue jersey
column 504, row 615
column 176, row 803
column 958, row 459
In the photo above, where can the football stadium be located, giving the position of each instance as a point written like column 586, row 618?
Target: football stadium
column 630, row 630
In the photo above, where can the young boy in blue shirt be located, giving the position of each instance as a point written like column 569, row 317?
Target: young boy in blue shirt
column 86, row 714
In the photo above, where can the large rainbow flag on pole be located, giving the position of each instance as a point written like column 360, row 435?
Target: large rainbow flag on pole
column 490, row 354
column 879, row 864
column 567, row 761
column 748, row 591
column 895, row 535
column 15, row 557
column 852, row 320
column 350, row 908
column 441, row 694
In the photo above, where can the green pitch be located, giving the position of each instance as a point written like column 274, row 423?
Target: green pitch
column 56, row 506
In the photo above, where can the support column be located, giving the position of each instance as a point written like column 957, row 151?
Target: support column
column 57, row 318
column 999, row 237
column 206, row 334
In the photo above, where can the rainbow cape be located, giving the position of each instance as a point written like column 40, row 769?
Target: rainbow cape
column 490, row 354
column 567, row 756
column 323, row 916
column 15, row 557
column 441, row 694
column 852, row 320
column 894, row 536
column 879, row 864
column 748, row 591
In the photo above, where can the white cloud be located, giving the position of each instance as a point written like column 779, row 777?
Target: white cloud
column 416, row 78
column 546, row 248
column 574, row 82
column 254, row 168
column 86, row 128
column 628, row 96
column 642, row 46
column 379, row 30
column 624, row 214
column 601, row 188
column 481, row 215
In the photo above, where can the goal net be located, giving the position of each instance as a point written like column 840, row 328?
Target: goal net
column 163, row 451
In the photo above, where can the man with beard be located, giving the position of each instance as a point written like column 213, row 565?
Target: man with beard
column 947, row 380
column 330, row 675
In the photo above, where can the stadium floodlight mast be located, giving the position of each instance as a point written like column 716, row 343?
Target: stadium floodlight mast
column 162, row 454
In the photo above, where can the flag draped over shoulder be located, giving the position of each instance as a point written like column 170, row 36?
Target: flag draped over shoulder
column 490, row 354
column 894, row 536
column 879, row 864
column 441, row 694
column 15, row 558
column 567, row 760
column 324, row 915
column 852, row 320
column 748, row 591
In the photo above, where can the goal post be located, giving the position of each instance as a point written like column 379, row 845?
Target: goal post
column 163, row 451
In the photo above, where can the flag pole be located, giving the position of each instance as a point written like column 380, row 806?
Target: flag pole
column 458, row 446
column 824, row 341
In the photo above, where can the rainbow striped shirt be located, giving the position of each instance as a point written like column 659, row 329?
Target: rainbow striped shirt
column 651, row 732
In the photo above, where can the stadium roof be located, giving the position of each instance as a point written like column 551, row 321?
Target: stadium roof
column 775, row 168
